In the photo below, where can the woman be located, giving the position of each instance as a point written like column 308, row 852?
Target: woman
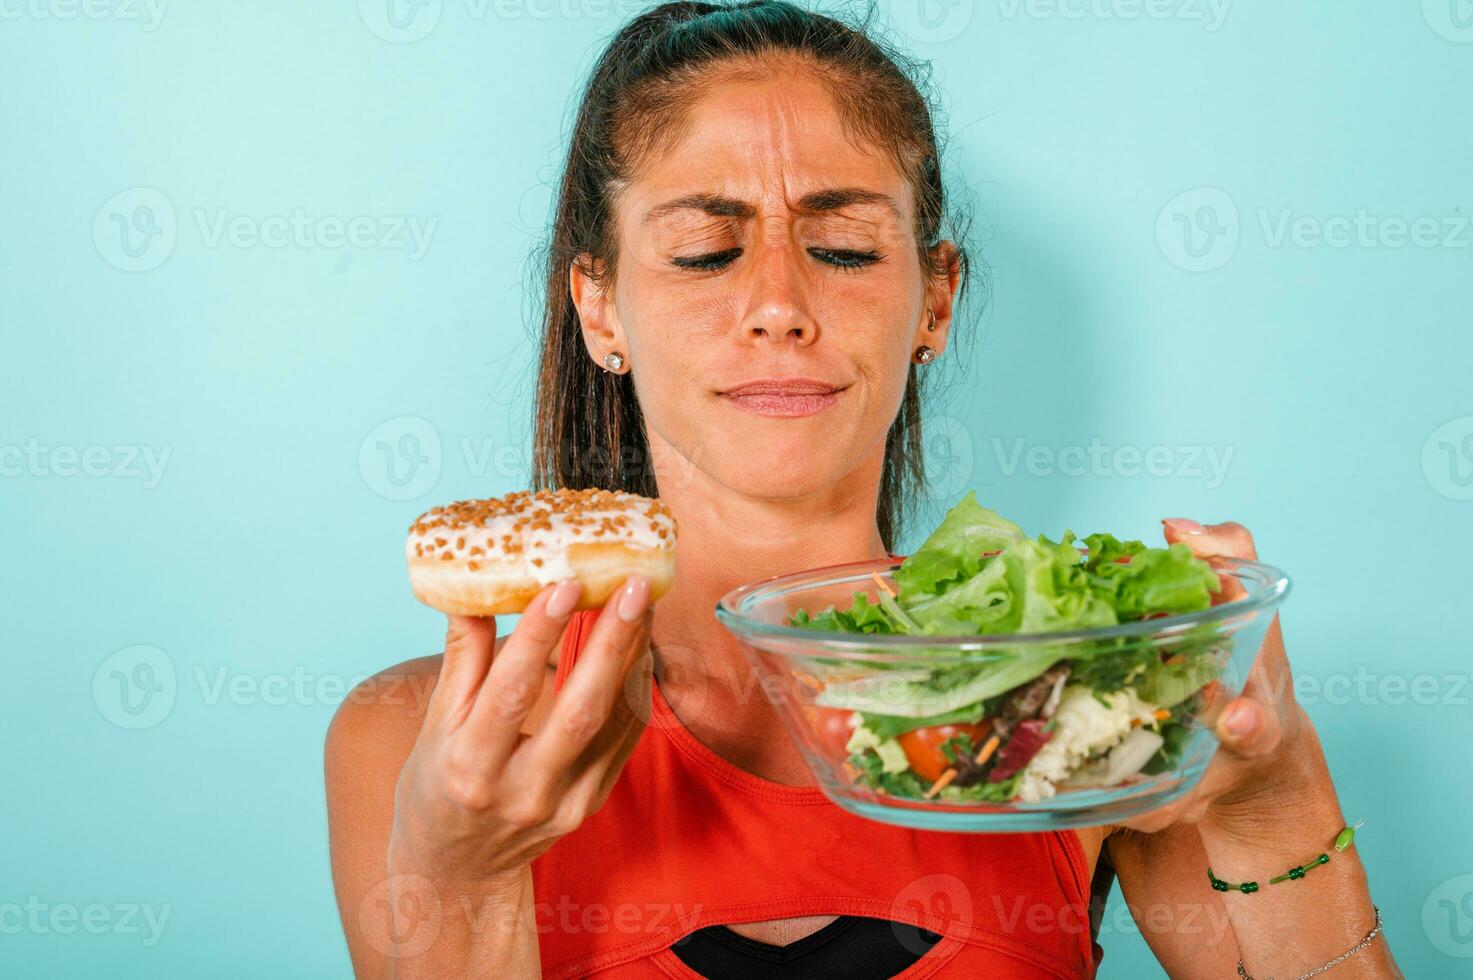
column 746, row 281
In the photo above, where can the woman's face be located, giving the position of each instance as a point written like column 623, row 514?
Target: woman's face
column 769, row 296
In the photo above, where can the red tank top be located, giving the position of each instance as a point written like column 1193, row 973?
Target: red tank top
column 688, row 840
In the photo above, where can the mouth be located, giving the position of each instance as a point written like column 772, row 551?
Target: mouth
column 783, row 397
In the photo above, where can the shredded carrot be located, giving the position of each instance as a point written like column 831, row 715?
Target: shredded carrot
column 943, row 781
column 1160, row 714
column 988, row 747
column 851, row 772
column 883, row 585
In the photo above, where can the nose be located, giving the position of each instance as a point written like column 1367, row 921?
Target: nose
column 777, row 307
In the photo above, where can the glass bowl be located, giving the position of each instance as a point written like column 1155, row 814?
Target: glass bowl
column 1157, row 684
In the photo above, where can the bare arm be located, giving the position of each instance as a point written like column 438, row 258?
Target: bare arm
column 387, row 917
column 437, row 809
column 1266, row 804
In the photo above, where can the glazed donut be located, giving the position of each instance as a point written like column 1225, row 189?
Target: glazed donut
column 490, row 557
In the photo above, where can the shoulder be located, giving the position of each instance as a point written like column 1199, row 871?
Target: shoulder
column 394, row 699
column 379, row 720
column 377, row 724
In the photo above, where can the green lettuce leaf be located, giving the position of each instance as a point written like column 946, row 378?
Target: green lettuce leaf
column 978, row 575
column 1167, row 580
column 953, row 551
column 893, row 726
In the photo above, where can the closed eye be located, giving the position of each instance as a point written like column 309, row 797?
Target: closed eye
column 709, row 262
column 844, row 258
column 841, row 258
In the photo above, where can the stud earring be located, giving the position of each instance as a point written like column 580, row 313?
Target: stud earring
column 925, row 355
column 613, row 360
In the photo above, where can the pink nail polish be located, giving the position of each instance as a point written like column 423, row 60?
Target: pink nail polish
column 633, row 598
column 1184, row 525
column 563, row 598
column 1242, row 720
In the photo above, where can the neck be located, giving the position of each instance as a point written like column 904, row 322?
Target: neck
column 727, row 539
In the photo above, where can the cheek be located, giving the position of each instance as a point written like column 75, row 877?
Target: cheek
column 872, row 319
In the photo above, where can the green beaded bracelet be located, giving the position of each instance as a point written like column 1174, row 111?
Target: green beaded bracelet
column 1342, row 841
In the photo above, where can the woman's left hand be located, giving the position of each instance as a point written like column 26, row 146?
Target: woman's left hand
column 1269, row 752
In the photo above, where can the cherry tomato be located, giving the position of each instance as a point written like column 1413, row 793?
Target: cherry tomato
column 832, row 727
column 923, row 747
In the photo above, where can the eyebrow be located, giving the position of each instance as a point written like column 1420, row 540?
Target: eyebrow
column 817, row 202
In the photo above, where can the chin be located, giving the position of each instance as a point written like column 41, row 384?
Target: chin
column 784, row 469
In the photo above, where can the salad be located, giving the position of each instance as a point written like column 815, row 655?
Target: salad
column 1038, row 719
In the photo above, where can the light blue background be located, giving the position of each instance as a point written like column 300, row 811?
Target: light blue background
column 268, row 551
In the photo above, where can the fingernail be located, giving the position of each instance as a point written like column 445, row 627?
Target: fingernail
column 1241, row 720
column 1184, row 525
column 633, row 598
column 563, row 598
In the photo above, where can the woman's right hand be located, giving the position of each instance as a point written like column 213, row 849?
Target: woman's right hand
column 479, row 796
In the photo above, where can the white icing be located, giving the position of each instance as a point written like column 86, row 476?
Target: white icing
column 543, row 542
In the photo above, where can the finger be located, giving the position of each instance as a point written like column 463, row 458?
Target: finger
column 1249, row 730
column 592, row 786
column 470, row 642
column 586, row 700
column 630, row 711
column 512, row 685
column 1211, row 542
column 1226, row 540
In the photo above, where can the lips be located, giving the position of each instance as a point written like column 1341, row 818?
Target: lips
column 783, row 397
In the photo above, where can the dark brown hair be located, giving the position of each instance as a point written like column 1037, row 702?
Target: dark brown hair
column 588, row 429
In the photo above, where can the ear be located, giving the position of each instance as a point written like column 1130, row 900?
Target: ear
column 940, row 299
column 598, row 317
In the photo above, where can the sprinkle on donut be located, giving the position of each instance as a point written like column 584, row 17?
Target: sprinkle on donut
column 544, row 522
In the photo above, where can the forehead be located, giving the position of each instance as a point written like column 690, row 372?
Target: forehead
column 770, row 141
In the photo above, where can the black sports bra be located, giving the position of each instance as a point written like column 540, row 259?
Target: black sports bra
column 852, row 947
